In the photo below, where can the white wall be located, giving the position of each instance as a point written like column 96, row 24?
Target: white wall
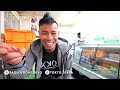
column 67, row 33
column 99, row 23
column 2, row 22
column 25, row 23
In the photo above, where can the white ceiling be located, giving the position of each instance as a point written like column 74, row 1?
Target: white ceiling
column 40, row 13
column 64, row 18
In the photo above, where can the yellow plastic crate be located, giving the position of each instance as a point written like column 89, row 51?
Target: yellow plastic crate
column 20, row 44
column 19, row 35
column 19, row 38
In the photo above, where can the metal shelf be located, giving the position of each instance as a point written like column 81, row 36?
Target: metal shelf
column 10, row 20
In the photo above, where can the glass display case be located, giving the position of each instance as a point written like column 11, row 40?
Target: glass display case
column 102, row 61
column 76, row 53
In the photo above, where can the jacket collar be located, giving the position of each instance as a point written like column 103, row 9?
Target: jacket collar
column 36, row 47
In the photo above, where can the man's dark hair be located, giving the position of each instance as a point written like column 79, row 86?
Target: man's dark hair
column 47, row 19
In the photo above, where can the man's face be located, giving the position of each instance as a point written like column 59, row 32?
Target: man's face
column 49, row 36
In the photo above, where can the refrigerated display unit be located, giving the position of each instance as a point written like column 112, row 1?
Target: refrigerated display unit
column 97, row 61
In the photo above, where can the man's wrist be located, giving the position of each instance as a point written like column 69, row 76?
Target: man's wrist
column 17, row 65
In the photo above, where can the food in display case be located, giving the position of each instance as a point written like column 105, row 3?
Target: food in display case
column 108, row 63
column 87, row 57
column 100, row 53
column 103, row 60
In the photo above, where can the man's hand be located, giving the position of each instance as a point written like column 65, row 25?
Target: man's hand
column 11, row 54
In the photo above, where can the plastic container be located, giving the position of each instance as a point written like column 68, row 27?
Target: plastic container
column 20, row 44
column 19, row 35
column 19, row 38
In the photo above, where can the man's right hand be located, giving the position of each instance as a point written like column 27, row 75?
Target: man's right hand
column 11, row 54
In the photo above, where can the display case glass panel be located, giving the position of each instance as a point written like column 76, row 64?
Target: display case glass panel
column 77, row 54
column 87, row 58
column 107, row 62
column 101, row 60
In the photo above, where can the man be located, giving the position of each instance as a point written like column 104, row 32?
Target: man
column 50, row 54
